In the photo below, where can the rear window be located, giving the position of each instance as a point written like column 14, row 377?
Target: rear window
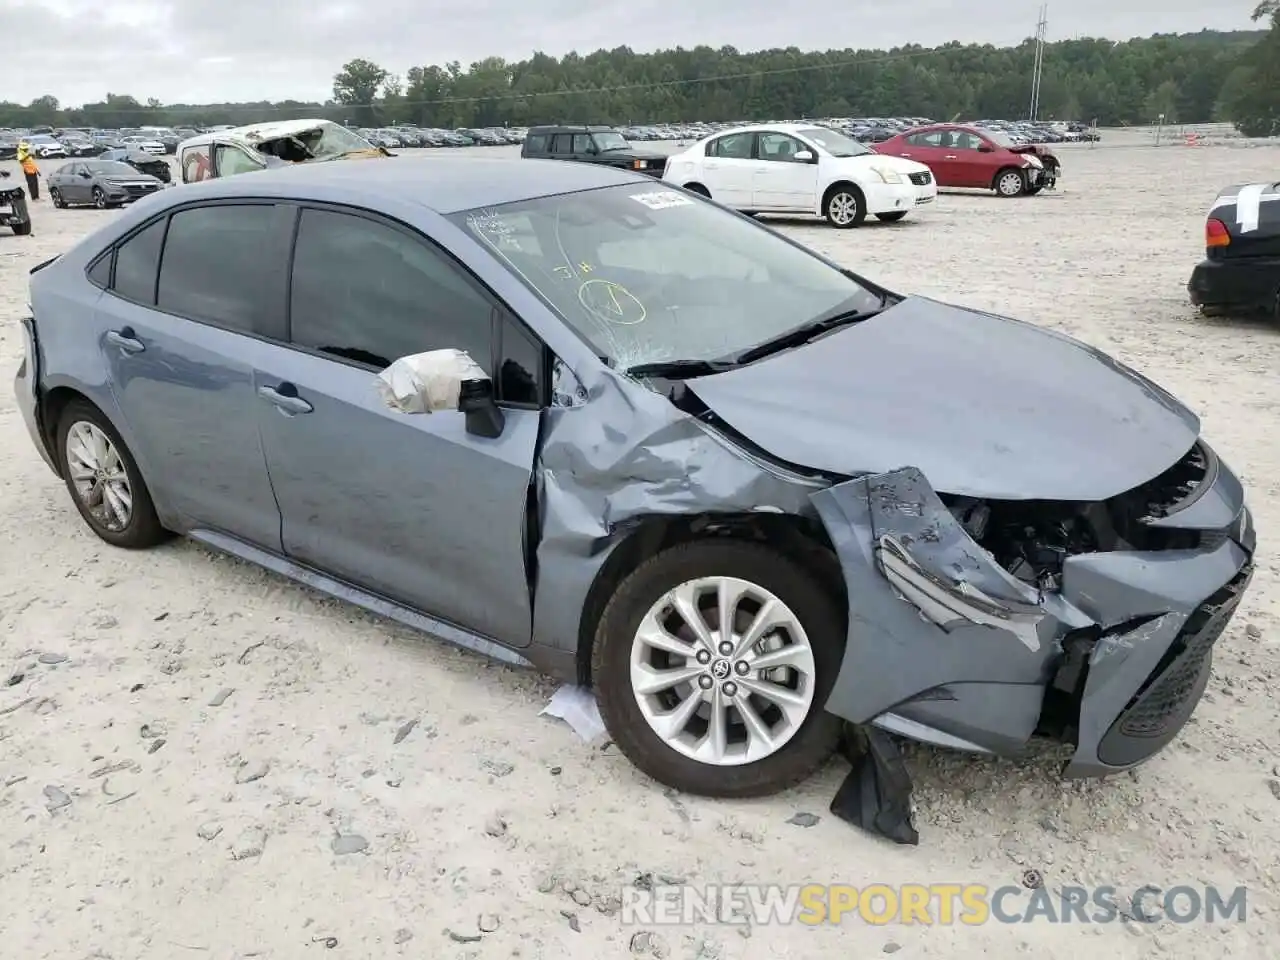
column 537, row 143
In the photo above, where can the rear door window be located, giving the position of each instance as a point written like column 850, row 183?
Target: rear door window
column 220, row 266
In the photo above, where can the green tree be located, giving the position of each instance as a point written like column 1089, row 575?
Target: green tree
column 1254, row 101
column 357, row 85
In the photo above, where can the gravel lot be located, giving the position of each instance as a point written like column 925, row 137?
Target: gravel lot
column 484, row 808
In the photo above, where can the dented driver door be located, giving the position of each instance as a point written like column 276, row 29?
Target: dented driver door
column 410, row 506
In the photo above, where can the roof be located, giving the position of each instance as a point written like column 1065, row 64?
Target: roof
column 269, row 130
column 769, row 127
column 443, row 184
column 573, row 128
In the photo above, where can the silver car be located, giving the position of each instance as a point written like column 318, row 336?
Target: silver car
column 576, row 419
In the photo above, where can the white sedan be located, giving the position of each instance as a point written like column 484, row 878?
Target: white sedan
column 145, row 144
column 801, row 168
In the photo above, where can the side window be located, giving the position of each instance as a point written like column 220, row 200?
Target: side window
column 136, row 262
column 968, row 141
column 537, row 143
column 562, row 143
column 519, row 366
column 366, row 292
column 780, row 148
column 925, row 139
column 218, row 266
column 582, row 143
column 100, row 273
column 736, row 146
column 195, row 164
column 233, row 160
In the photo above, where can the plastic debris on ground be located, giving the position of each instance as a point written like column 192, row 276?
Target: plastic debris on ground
column 876, row 795
column 577, row 707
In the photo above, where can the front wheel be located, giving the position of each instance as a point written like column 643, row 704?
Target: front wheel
column 893, row 217
column 1010, row 183
column 845, row 207
column 99, row 198
column 712, row 663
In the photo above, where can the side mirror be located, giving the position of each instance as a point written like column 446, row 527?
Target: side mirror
column 484, row 416
column 986, row 148
column 5, row 174
column 804, row 156
column 86, row 174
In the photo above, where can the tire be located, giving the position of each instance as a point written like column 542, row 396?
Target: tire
column 99, row 198
column 1009, row 183
column 844, row 206
column 82, row 421
column 56, row 196
column 809, row 741
column 893, row 217
column 699, row 189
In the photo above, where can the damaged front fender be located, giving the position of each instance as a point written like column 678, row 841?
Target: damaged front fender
column 940, row 635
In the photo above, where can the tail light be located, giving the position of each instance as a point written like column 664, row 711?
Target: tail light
column 1215, row 234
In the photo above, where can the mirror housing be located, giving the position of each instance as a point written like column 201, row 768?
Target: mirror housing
column 477, row 401
column 804, row 156
column 986, row 148
column 86, row 175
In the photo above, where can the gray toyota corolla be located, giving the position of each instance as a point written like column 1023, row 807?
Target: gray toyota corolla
column 575, row 419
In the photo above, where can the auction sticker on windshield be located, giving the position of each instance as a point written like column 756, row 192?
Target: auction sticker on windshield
column 662, row 199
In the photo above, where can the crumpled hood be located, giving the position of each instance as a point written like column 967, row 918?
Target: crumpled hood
column 983, row 405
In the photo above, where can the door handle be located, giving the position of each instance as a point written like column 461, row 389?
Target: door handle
column 950, row 156
column 904, row 154
column 289, row 403
column 126, row 340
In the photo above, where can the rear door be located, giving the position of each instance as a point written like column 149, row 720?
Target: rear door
column 926, row 147
column 409, row 506
column 179, row 348
column 729, row 169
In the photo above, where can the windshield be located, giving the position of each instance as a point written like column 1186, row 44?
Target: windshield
column 328, row 139
column 111, row 168
column 999, row 138
column 836, row 144
column 648, row 275
column 610, row 141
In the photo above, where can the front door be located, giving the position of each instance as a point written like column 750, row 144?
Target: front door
column 729, row 170
column 409, row 506
column 782, row 182
column 178, row 350
column 973, row 167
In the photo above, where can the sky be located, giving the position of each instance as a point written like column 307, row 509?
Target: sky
column 213, row 51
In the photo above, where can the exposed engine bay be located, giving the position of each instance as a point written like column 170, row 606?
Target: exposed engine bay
column 1031, row 539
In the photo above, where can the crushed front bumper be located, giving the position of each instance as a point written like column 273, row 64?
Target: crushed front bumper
column 948, row 648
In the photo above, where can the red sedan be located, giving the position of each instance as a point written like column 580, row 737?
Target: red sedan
column 962, row 156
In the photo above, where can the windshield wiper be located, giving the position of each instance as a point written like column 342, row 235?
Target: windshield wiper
column 803, row 334
column 680, row 368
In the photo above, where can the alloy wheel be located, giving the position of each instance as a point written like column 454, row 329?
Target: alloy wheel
column 723, row 671
column 843, row 208
column 99, row 198
column 99, row 476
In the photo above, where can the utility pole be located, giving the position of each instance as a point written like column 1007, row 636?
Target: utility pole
column 1042, row 28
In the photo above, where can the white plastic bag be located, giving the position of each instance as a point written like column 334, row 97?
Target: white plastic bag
column 427, row 382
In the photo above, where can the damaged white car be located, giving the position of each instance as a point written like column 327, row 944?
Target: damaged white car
column 258, row 146
column 746, row 494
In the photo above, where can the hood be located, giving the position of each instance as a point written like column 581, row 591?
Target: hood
column 985, row 406
column 1039, row 149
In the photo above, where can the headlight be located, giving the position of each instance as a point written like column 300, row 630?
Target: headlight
column 887, row 176
column 1033, row 161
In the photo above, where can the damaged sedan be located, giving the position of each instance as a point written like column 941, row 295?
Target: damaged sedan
column 573, row 419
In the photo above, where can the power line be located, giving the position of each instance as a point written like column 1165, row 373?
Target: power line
column 534, row 95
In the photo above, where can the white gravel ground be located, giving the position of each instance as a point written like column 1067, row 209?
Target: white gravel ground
column 483, row 802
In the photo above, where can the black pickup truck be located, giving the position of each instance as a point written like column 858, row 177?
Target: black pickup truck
column 590, row 144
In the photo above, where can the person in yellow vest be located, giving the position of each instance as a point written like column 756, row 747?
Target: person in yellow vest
column 28, row 163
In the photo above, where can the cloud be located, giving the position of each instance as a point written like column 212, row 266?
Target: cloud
column 205, row 51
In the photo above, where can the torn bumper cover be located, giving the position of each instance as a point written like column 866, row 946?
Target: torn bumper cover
column 947, row 647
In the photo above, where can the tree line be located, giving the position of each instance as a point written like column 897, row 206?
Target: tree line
column 1211, row 75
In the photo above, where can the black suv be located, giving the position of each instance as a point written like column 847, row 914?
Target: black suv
column 590, row 144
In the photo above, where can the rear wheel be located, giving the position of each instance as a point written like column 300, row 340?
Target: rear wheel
column 56, row 196
column 893, row 217
column 104, row 481
column 699, row 189
column 1010, row 183
column 712, row 662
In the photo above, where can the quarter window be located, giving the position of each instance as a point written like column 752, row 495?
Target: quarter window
column 537, row 143
column 195, row 164
column 219, row 266
column 136, row 262
column 366, row 292
column 520, row 367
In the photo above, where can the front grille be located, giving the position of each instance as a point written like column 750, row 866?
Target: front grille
column 921, row 179
column 139, row 191
column 1163, row 704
